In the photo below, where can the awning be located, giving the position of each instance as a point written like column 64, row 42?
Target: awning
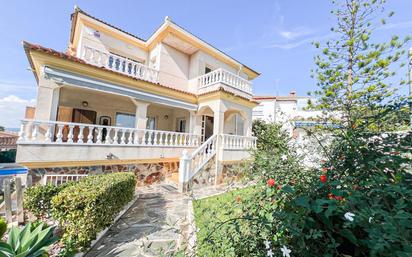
column 76, row 80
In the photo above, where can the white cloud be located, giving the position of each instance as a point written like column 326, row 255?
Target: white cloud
column 12, row 110
column 19, row 88
column 294, row 33
column 397, row 25
column 291, row 45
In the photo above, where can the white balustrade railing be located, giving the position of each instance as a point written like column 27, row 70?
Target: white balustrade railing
column 67, row 133
column 202, row 155
column 237, row 142
column 119, row 64
column 225, row 77
column 58, row 179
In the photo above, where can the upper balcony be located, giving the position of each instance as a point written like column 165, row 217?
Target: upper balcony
column 202, row 84
column 119, row 64
column 235, row 84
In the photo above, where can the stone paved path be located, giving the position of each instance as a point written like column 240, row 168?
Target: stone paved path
column 154, row 222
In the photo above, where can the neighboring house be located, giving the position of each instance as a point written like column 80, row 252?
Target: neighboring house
column 115, row 101
column 283, row 108
column 291, row 111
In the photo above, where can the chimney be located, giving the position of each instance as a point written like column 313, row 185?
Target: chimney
column 292, row 93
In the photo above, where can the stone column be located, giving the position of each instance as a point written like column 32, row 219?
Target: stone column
column 141, row 113
column 47, row 102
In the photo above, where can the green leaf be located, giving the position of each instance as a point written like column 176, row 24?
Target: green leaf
column 303, row 201
column 349, row 235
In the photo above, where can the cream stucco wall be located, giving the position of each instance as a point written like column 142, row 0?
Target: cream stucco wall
column 174, row 67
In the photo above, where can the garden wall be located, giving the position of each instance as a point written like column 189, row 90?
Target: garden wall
column 146, row 172
column 229, row 172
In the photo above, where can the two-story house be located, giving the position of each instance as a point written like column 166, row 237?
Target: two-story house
column 114, row 101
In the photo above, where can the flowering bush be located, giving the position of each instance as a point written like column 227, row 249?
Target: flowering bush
column 357, row 204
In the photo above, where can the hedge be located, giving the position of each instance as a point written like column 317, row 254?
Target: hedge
column 37, row 199
column 87, row 207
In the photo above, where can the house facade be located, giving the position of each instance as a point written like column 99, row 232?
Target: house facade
column 114, row 101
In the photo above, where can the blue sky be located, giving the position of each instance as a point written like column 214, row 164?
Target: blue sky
column 273, row 37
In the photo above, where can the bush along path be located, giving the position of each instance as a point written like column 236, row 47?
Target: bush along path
column 153, row 226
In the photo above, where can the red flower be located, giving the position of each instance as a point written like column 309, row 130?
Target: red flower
column 339, row 198
column 331, row 196
column 323, row 178
column 271, row 182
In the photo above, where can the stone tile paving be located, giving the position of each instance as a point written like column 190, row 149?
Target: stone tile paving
column 157, row 223
column 153, row 224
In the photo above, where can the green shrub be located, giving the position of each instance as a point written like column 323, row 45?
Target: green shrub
column 3, row 227
column 85, row 208
column 37, row 199
column 8, row 156
column 31, row 241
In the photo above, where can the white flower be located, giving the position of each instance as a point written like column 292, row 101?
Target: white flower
column 270, row 253
column 283, row 158
column 267, row 244
column 370, row 219
column 285, row 251
column 349, row 216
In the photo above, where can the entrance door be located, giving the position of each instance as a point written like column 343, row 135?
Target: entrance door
column 83, row 116
column 207, row 127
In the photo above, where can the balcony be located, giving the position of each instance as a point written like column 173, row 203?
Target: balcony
column 55, row 141
column 68, row 133
column 119, row 64
column 234, row 83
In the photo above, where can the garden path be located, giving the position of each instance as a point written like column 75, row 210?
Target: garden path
column 153, row 225
column 156, row 224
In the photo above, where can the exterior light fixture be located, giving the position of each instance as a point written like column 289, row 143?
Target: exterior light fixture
column 85, row 103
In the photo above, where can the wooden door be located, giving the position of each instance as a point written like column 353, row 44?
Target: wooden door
column 64, row 114
column 82, row 116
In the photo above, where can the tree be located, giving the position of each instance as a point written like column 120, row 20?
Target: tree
column 356, row 78
column 1, row 128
